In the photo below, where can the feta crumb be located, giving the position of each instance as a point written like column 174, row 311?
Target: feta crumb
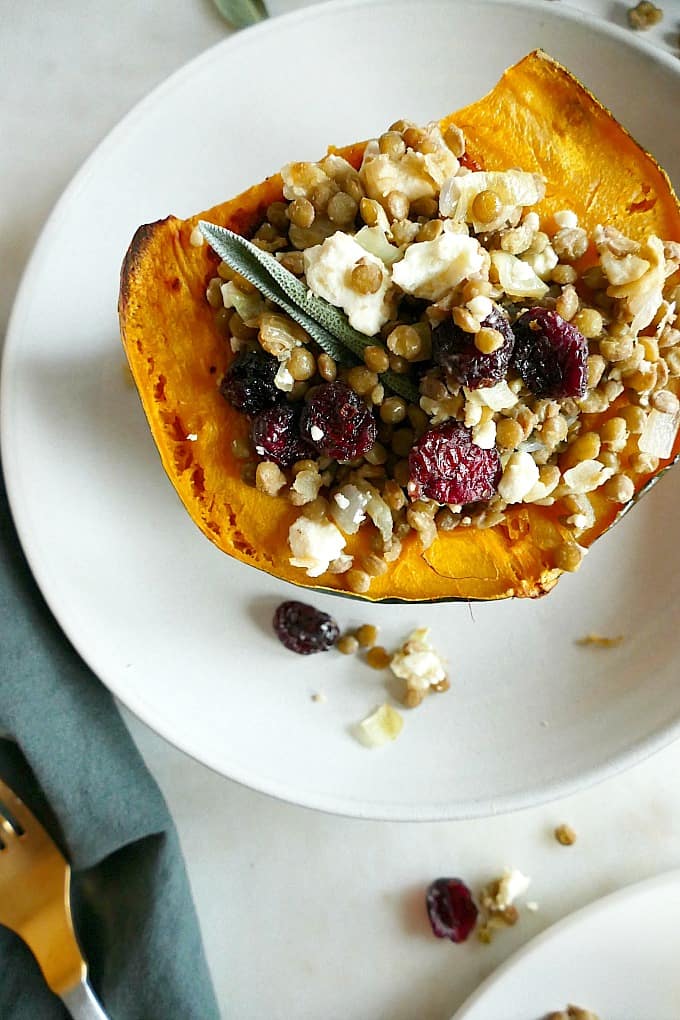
column 542, row 262
column 192, row 437
column 519, row 477
column 480, row 307
column 484, row 436
column 327, row 269
column 430, row 268
column 511, row 885
column 566, row 219
column 314, row 545
column 316, row 433
column 418, row 663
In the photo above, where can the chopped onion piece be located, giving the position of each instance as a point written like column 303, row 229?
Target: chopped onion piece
column 375, row 242
column 380, row 727
column 248, row 306
column 517, row 277
column 658, row 435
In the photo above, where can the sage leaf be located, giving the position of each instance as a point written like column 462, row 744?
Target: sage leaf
column 323, row 321
column 241, row 13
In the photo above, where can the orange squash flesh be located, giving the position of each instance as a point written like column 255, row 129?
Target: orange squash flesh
column 177, row 356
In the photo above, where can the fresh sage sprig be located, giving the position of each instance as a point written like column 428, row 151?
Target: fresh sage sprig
column 324, row 322
column 241, row 13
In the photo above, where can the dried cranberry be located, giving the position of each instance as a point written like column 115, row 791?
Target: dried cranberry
column 446, row 465
column 304, row 629
column 338, row 423
column 550, row 354
column 276, row 435
column 454, row 350
column 249, row 382
column 451, row 909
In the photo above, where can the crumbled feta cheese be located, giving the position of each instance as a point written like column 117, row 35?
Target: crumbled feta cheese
column 473, row 410
column 418, row 663
column 484, row 435
column 283, row 380
column 314, row 545
column 511, row 885
column 196, row 237
column 566, row 219
column 300, row 179
column 430, row 268
column 192, row 437
column 516, row 277
column 381, row 726
column 327, row 270
column 316, row 433
column 413, row 174
column 542, row 262
column 520, row 475
column 480, row 307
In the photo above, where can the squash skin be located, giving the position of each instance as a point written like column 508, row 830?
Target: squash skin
column 177, row 356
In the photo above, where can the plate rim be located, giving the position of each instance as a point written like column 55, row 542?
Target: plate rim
column 378, row 810
column 555, row 930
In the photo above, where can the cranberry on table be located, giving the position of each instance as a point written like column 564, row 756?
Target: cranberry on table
column 550, row 354
column 337, row 422
column 446, row 465
column 304, row 629
column 451, row 909
column 455, row 351
column 276, row 435
column 248, row 384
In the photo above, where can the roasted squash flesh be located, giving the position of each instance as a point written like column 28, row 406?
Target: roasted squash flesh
column 552, row 127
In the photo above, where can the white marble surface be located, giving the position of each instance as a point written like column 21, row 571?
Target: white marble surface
column 303, row 915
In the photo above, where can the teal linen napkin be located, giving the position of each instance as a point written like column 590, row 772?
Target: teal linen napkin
column 72, row 760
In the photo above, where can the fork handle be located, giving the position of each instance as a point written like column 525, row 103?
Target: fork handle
column 82, row 1003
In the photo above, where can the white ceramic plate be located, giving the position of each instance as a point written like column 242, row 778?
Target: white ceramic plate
column 617, row 957
column 180, row 633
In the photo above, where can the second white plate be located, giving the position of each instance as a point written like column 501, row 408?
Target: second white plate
column 617, row 957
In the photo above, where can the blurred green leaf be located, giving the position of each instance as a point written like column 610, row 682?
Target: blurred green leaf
column 241, row 13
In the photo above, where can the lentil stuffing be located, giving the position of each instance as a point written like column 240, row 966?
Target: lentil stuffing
column 546, row 360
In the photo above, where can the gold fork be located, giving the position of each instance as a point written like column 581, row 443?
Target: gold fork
column 35, row 881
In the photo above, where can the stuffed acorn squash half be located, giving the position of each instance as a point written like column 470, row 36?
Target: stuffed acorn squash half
column 437, row 365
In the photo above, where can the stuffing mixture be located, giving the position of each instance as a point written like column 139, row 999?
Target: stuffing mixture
column 510, row 363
